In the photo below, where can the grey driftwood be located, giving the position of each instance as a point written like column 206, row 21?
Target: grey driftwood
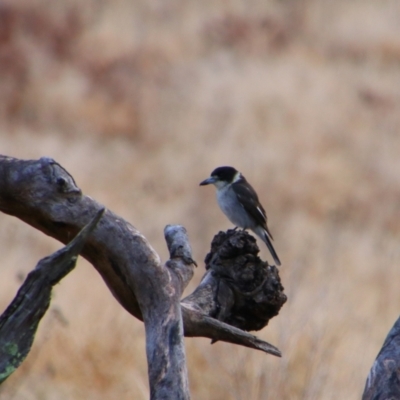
column 227, row 302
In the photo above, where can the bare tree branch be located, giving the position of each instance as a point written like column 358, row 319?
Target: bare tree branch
column 19, row 322
column 383, row 382
column 44, row 195
column 161, row 313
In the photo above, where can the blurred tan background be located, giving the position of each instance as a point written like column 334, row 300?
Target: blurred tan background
column 139, row 101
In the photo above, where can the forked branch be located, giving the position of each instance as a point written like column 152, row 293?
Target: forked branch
column 44, row 195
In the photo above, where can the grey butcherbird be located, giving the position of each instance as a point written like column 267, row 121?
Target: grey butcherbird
column 239, row 202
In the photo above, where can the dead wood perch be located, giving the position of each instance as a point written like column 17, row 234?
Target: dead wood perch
column 383, row 382
column 238, row 288
column 44, row 195
column 19, row 322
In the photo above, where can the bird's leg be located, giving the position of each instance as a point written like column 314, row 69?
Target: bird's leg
column 240, row 229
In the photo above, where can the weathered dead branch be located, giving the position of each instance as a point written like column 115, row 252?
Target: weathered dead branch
column 19, row 322
column 44, row 195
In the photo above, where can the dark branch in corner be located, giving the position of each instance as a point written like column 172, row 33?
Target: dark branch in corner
column 383, row 381
column 19, row 322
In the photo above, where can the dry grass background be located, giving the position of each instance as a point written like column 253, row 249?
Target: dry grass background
column 140, row 100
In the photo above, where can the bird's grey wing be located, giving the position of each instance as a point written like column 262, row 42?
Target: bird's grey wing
column 249, row 200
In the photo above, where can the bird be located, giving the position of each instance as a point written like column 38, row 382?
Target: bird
column 239, row 202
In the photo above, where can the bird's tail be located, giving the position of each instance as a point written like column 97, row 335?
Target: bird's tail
column 263, row 234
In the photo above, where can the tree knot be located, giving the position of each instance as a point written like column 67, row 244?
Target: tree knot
column 249, row 291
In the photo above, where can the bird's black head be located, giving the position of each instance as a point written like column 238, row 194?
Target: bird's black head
column 222, row 176
column 225, row 174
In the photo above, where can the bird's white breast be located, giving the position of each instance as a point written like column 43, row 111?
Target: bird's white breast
column 232, row 208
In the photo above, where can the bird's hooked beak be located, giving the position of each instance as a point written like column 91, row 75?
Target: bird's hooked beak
column 208, row 181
